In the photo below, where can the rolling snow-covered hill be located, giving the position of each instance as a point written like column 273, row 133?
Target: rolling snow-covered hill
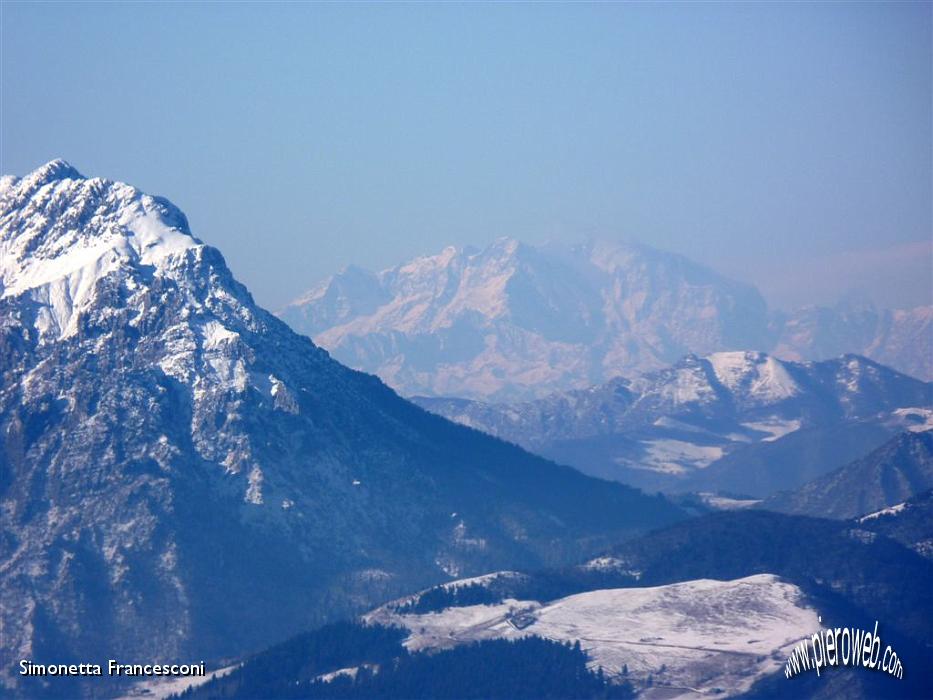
column 517, row 322
column 690, row 638
column 182, row 474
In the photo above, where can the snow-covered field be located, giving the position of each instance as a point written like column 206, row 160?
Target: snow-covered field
column 691, row 638
column 677, row 456
column 775, row 427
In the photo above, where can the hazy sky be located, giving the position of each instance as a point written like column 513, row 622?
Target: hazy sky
column 785, row 144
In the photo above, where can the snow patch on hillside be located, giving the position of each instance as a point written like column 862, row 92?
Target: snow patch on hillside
column 776, row 428
column 161, row 688
column 678, row 456
column 891, row 510
column 719, row 502
column 917, row 420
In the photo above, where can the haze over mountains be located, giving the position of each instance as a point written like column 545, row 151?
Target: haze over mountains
column 181, row 473
column 894, row 473
column 513, row 321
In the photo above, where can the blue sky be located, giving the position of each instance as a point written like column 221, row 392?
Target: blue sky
column 785, row 144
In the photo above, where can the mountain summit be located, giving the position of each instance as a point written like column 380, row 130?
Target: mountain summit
column 516, row 321
column 183, row 475
column 62, row 233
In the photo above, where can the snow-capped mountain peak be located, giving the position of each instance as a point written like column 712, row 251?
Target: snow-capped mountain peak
column 754, row 374
column 694, row 420
column 57, row 169
column 60, row 233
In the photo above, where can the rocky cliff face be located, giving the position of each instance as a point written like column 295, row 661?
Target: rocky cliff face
column 181, row 474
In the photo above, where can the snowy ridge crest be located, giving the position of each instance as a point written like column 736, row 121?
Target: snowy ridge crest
column 60, row 233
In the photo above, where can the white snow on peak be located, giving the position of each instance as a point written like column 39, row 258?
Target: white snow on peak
column 429, row 263
column 612, row 255
column 753, row 375
column 60, row 233
column 432, row 292
column 57, row 169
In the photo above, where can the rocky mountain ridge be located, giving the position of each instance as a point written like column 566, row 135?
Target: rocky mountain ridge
column 740, row 421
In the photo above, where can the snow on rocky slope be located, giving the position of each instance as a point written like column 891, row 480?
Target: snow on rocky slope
column 690, row 638
column 95, row 230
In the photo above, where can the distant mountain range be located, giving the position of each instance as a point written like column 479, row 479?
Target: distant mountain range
column 744, row 422
column 183, row 475
column 514, row 322
column 897, row 471
column 902, row 339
